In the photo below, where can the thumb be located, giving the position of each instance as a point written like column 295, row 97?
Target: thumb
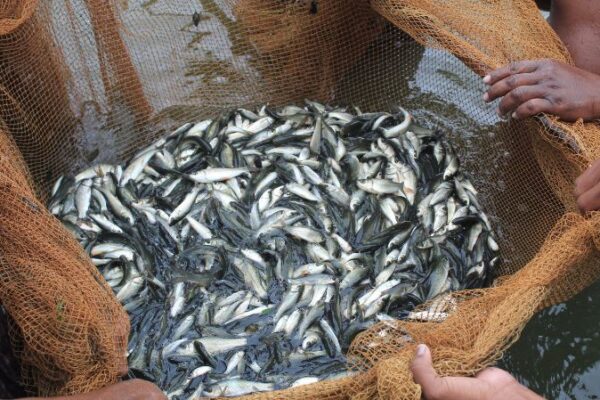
column 422, row 368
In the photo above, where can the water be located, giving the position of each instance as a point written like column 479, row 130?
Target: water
column 558, row 354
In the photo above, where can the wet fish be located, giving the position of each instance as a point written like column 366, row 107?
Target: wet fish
column 210, row 175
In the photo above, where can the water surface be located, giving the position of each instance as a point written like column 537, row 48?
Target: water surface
column 558, row 354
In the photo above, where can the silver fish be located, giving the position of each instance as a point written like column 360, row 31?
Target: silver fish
column 135, row 168
column 182, row 209
column 210, row 175
column 83, row 197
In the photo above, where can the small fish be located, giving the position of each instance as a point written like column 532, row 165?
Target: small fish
column 292, row 322
column 280, row 324
column 213, row 345
column 401, row 128
column 210, row 175
column 260, row 125
column 201, row 229
column 106, row 223
column 130, row 289
column 305, row 233
column 290, row 298
column 352, row 278
column 474, row 233
column 256, row 311
column 379, row 186
column 183, row 327
column 236, row 387
column 305, row 381
column 330, row 334
column 441, row 193
column 233, row 362
column 135, row 168
column 177, row 299
column 118, row 208
column 308, row 269
column 301, row 191
column 315, row 141
column 182, row 209
column 83, row 197
column 427, row 316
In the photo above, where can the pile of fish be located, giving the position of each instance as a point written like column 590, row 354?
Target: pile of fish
column 249, row 250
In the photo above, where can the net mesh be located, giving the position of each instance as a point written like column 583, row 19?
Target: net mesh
column 84, row 82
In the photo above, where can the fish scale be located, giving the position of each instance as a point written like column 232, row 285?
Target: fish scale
column 265, row 240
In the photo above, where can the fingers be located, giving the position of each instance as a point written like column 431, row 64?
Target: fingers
column 518, row 86
column 590, row 200
column 135, row 389
column 532, row 107
column 510, row 83
column 422, row 368
column 519, row 67
column 588, row 179
column 519, row 96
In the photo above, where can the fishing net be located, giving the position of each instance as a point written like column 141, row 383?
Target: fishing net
column 84, row 82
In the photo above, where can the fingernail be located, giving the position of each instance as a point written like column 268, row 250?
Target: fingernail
column 486, row 97
column 487, row 79
column 421, row 349
column 514, row 115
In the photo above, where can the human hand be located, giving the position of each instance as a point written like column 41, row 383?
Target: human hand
column 528, row 88
column 489, row 384
column 587, row 188
column 135, row 389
